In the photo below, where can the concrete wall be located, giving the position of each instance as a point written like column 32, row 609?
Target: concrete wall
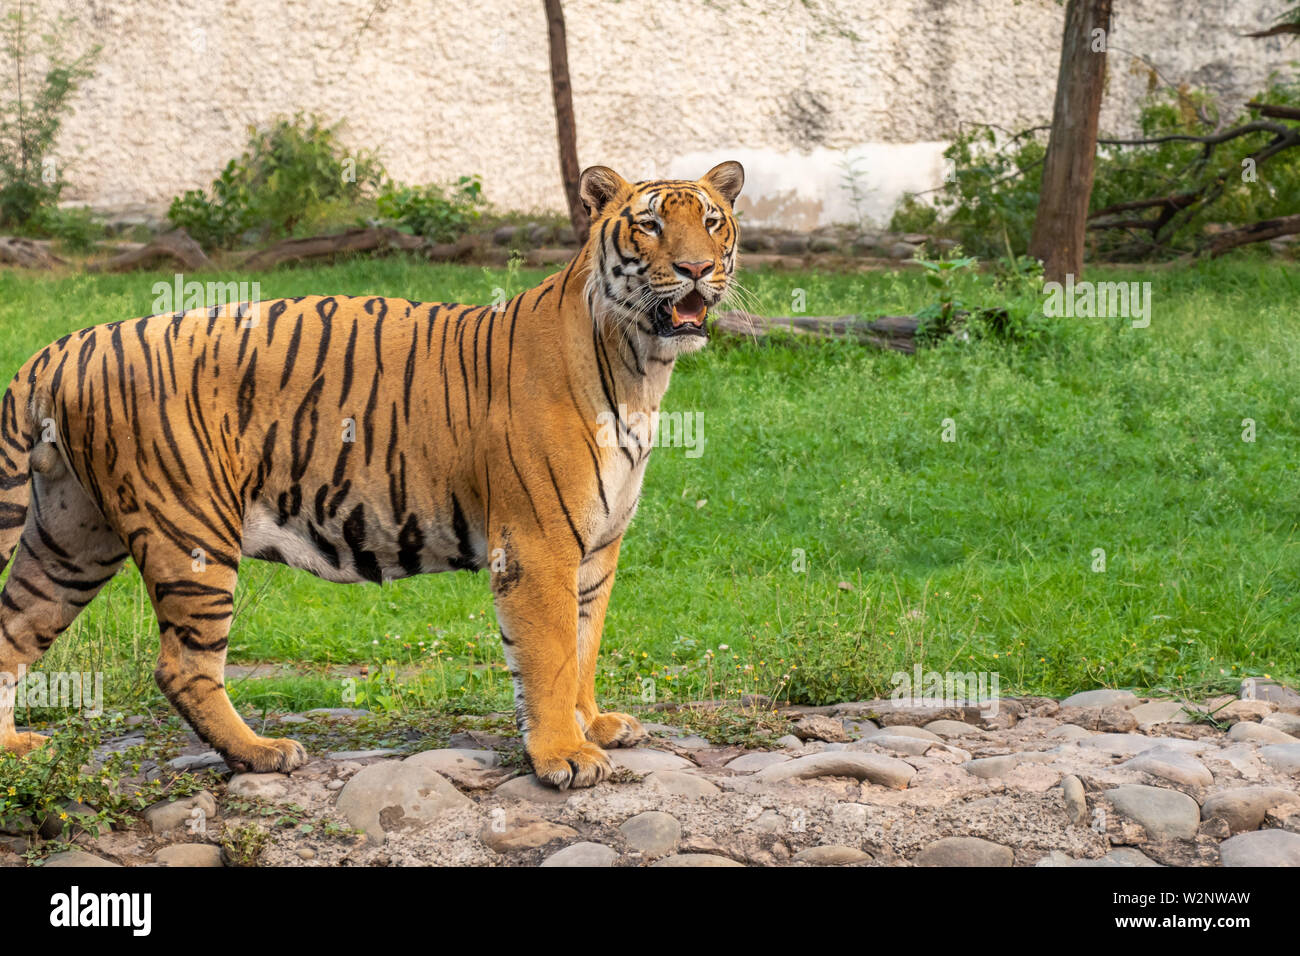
column 793, row 89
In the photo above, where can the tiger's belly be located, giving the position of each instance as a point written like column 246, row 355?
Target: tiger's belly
column 357, row 546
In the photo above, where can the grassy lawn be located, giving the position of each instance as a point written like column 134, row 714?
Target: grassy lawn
column 975, row 555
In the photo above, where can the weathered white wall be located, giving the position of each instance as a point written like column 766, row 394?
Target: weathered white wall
column 661, row 87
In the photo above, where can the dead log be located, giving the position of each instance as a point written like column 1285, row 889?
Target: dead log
column 28, row 253
column 1255, row 232
column 1275, row 111
column 175, row 246
column 370, row 239
column 896, row 333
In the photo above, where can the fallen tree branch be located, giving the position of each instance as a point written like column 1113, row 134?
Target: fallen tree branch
column 370, row 239
column 1256, row 232
column 1278, row 30
column 175, row 246
column 18, row 251
column 896, row 333
column 1275, row 111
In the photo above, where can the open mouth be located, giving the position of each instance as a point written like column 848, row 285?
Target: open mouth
column 686, row 316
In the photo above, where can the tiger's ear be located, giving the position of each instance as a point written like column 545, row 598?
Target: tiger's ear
column 727, row 178
column 597, row 186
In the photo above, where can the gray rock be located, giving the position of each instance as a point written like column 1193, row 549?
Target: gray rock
column 1243, row 808
column 1171, row 765
column 1258, row 733
column 1069, row 732
column 196, row 762
column 643, row 760
column 1261, row 848
column 1076, row 803
column 521, row 830
column 1103, row 697
column 1120, row 856
column 583, row 854
column 876, row 768
column 468, row 768
column 362, row 754
column 823, row 244
column 792, row 245
column 902, row 250
column 1287, row 723
column 79, row 817
column 751, row 763
column 394, row 795
column 913, row 746
column 1164, row 814
column 654, row 833
column 831, row 855
column 1159, row 712
column 189, row 854
column 1284, row 758
column 1128, row 745
column 530, row 790
column 259, row 786
column 789, row 742
column 164, row 817
column 77, row 858
column 1257, row 688
column 817, row 727
column 696, row 859
column 905, row 730
column 678, row 783
column 953, row 728
column 338, row 713
column 987, row 768
column 965, row 851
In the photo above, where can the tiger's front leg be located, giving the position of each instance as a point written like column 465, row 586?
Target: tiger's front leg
column 595, row 583
column 536, row 596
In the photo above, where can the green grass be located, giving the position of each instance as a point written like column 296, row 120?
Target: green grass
column 972, row 555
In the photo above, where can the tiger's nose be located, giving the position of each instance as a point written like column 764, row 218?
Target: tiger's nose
column 694, row 270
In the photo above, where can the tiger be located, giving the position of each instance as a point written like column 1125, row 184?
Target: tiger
column 512, row 437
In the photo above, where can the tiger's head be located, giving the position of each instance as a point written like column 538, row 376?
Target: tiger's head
column 662, row 252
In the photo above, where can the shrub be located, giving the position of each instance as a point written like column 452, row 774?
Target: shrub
column 990, row 203
column 292, row 175
column 440, row 213
column 31, row 115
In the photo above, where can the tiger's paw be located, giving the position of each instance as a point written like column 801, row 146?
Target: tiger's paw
column 612, row 729
column 267, row 755
column 23, row 744
column 579, row 764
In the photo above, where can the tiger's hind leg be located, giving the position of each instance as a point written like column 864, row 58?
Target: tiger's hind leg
column 194, row 601
column 67, row 552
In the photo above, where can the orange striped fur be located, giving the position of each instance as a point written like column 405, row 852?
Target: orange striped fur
column 186, row 441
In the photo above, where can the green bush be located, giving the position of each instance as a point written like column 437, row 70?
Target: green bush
column 293, row 175
column 990, row 203
column 31, row 115
column 433, row 211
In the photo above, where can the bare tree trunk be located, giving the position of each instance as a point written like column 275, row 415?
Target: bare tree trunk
column 1062, row 217
column 565, row 127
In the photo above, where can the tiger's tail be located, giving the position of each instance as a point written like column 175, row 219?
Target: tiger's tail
column 17, row 432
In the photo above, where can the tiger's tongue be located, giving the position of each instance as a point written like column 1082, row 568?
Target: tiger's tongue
column 690, row 309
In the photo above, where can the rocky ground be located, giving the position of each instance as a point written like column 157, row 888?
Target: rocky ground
column 1103, row 778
